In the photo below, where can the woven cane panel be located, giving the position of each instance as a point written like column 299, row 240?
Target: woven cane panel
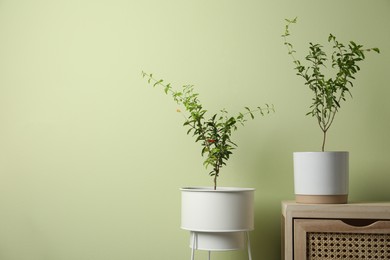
column 351, row 246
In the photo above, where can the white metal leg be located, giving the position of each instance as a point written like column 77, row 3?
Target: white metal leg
column 193, row 245
column 248, row 243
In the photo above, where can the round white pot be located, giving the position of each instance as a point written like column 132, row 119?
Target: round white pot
column 219, row 217
column 226, row 209
column 217, row 241
column 321, row 177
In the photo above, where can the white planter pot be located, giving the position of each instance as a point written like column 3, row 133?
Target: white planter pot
column 321, row 177
column 217, row 241
column 219, row 217
column 204, row 209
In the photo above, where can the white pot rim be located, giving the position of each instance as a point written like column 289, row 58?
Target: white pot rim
column 211, row 189
column 307, row 152
column 217, row 230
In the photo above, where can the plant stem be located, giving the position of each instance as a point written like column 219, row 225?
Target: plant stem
column 216, row 176
column 323, row 141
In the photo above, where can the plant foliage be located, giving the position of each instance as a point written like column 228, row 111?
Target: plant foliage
column 213, row 133
column 329, row 92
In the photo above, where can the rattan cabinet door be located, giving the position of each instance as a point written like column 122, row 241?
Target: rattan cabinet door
column 319, row 239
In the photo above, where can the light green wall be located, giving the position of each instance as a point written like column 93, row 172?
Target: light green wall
column 91, row 159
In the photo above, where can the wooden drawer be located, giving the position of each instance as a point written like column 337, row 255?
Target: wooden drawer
column 352, row 239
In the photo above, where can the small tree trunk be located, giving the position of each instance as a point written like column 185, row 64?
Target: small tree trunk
column 323, row 141
column 215, row 177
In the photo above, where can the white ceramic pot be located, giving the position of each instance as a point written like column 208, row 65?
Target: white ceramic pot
column 223, row 210
column 219, row 218
column 217, row 241
column 321, row 177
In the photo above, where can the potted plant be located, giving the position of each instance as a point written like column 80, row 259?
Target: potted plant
column 217, row 217
column 322, row 177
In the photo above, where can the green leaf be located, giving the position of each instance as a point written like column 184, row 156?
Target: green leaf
column 157, row 82
column 167, row 88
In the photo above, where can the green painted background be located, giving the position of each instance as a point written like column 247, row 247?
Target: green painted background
column 91, row 159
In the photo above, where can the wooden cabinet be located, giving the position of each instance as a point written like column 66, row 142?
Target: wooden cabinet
column 355, row 231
